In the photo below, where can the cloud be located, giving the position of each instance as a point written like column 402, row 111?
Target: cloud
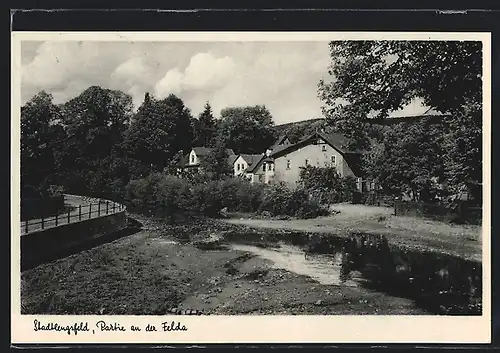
column 65, row 68
column 170, row 83
column 204, row 72
column 133, row 71
column 283, row 76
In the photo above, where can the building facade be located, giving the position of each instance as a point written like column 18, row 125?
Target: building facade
column 283, row 161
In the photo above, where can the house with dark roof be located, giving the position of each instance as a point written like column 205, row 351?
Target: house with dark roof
column 244, row 162
column 194, row 158
column 281, row 142
column 283, row 161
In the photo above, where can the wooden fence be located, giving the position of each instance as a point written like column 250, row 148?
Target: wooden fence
column 95, row 208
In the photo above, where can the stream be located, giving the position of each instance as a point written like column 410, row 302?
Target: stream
column 439, row 283
column 325, row 269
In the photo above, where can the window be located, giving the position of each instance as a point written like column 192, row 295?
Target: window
column 288, row 164
column 192, row 158
column 307, row 162
column 269, row 166
column 238, row 166
column 334, row 161
column 263, row 167
column 323, row 148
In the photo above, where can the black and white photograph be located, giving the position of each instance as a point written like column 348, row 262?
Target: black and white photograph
column 245, row 177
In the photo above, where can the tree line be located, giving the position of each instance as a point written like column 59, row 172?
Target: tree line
column 425, row 159
column 96, row 143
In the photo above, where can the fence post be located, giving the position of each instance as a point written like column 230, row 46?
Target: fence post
column 79, row 212
column 57, row 216
column 42, row 223
column 99, row 208
column 69, row 216
column 26, row 227
column 90, row 210
column 114, row 205
column 107, row 207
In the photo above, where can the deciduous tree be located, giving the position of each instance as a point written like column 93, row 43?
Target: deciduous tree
column 246, row 129
column 371, row 79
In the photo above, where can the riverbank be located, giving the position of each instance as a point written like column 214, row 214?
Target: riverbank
column 414, row 233
column 160, row 269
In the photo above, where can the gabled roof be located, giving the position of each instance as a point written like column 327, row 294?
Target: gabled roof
column 232, row 158
column 337, row 141
column 279, row 141
column 256, row 163
column 262, row 159
column 183, row 161
column 202, row 152
column 251, row 158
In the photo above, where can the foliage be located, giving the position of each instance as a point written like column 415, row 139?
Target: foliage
column 463, row 144
column 143, row 193
column 174, row 194
column 167, row 194
column 160, row 129
column 40, row 137
column 204, row 128
column 298, row 130
column 382, row 76
column 409, row 160
column 246, row 129
column 327, row 185
column 280, row 199
column 239, row 194
column 371, row 79
column 215, row 164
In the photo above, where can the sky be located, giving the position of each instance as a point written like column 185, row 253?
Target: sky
column 283, row 76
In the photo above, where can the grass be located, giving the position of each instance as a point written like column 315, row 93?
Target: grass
column 461, row 240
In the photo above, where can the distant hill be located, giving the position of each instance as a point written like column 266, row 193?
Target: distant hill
column 299, row 129
column 434, row 119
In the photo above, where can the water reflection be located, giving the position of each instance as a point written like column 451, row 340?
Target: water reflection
column 439, row 283
column 325, row 269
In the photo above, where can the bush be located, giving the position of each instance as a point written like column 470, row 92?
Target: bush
column 249, row 196
column 169, row 194
column 275, row 198
column 327, row 186
column 142, row 193
column 174, row 194
column 240, row 195
column 301, row 205
column 55, row 191
column 207, row 198
column 279, row 199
